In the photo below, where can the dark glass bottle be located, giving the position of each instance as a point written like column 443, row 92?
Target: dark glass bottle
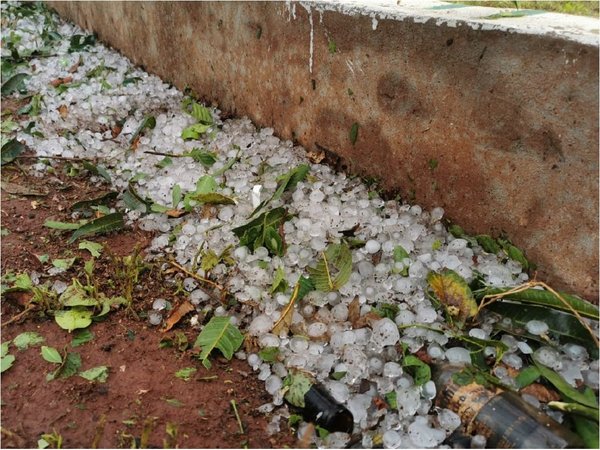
column 503, row 417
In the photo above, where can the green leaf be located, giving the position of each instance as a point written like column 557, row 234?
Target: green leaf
column 99, row 374
column 286, row 182
column 306, row 285
column 420, row 371
column 207, row 159
column 389, row 310
column 205, row 185
column 10, row 151
column 133, row 200
column 454, row 293
column 69, row 367
column 103, row 224
column 64, row 264
column 488, row 243
column 194, row 131
column 81, row 337
column 186, row 373
column 588, row 430
column 131, row 80
column 514, row 253
column 563, row 387
column 566, row 326
column 576, row 408
column 254, row 234
column 545, row 298
column 87, row 204
column 437, row 244
column 4, row 349
column 479, row 344
column 273, row 241
column 527, row 376
column 333, row 269
column 353, row 135
column 337, row 375
column 433, row 163
column 149, row 122
column 76, row 295
column 14, row 83
column 392, row 399
column 61, row 225
column 331, row 46
column 279, row 282
column 322, row 432
column 93, row 247
column 228, row 165
column 176, row 195
column 166, row 161
column 6, row 362
column 218, row 333
column 71, row 319
column 79, row 42
column 298, row 385
column 28, row 339
column 23, row 281
column 269, row 354
column 51, row 355
column 400, row 254
column 200, row 113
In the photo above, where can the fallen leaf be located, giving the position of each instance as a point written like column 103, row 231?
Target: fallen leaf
column 315, row 157
column 63, row 111
column 175, row 212
column 368, row 319
column 35, row 204
column 177, row 314
column 134, row 143
column 116, row 130
column 61, row 80
column 354, row 312
column 541, row 392
column 17, row 189
column 75, row 66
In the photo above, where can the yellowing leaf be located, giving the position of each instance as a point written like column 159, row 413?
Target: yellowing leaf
column 454, row 293
column 334, row 268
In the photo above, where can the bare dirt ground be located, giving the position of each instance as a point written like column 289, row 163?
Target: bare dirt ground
column 142, row 403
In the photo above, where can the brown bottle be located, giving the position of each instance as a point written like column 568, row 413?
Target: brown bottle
column 501, row 416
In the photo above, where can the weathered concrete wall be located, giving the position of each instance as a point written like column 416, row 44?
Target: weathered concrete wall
column 510, row 119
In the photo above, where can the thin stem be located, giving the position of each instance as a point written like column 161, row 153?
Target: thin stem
column 237, row 416
column 196, row 276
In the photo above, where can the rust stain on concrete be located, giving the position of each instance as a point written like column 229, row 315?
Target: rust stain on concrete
column 511, row 119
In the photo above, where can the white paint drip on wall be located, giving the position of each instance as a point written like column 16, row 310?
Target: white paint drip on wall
column 374, row 22
column 312, row 36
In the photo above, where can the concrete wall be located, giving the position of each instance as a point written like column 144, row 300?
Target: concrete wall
column 497, row 125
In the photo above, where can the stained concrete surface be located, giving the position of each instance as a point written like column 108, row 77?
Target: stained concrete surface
column 499, row 128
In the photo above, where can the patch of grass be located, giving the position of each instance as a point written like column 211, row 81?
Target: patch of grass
column 580, row 8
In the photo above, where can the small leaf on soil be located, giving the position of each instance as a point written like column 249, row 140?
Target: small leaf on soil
column 186, row 373
column 93, row 247
column 51, row 355
column 177, row 314
column 6, row 362
column 4, row 349
column 81, row 337
column 218, row 333
column 104, row 224
column 76, row 295
column 99, row 374
column 454, row 293
column 74, row 318
column 174, row 402
column 69, row 367
column 61, row 225
column 10, row 151
column 64, row 264
column 28, row 339
column 17, row 189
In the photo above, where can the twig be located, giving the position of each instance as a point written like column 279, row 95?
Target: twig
column 171, row 155
column 237, row 416
column 196, row 276
column 30, row 307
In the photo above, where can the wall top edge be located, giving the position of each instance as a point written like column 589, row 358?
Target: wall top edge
column 585, row 30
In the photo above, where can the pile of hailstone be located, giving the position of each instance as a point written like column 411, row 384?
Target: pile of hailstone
column 323, row 205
